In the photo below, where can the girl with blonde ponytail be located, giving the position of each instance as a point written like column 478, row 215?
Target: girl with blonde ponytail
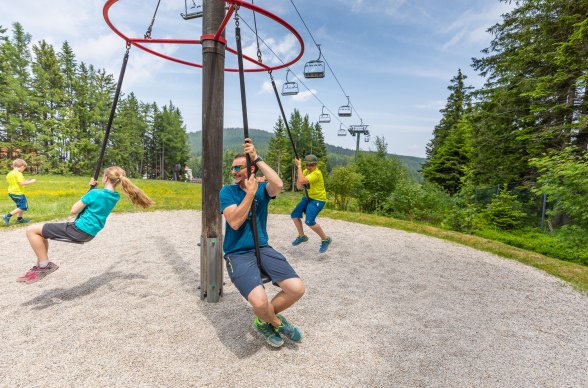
column 116, row 175
column 91, row 210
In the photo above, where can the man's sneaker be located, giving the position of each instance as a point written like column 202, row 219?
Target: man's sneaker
column 268, row 331
column 325, row 244
column 23, row 278
column 289, row 330
column 22, row 221
column 6, row 220
column 299, row 240
column 41, row 272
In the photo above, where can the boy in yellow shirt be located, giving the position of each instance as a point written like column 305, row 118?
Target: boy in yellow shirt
column 312, row 203
column 16, row 183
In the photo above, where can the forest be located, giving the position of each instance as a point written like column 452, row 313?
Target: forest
column 507, row 161
column 54, row 112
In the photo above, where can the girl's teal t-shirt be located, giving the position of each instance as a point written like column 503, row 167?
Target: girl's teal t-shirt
column 99, row 204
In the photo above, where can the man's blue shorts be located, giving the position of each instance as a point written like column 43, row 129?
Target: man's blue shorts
column 311, row 207
column 244, row 272
column 20, row 200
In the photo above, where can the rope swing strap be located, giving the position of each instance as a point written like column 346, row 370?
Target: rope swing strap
column 264, row 276
column 112, row 112
column 121, row 76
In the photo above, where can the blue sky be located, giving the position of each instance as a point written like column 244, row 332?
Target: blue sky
column 393, row 58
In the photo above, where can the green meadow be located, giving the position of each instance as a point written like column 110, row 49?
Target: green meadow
column 51, row 198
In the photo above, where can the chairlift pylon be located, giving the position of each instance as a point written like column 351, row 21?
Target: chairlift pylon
column 342, row 131
column 196, row 11
column 345, row 110
column 324, row 117
column 289, row 88
column 315, row 68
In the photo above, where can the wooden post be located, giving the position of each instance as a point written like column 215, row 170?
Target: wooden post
column 213, row 64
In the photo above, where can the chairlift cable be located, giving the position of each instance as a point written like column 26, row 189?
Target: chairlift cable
column 324, row 58
column 303, row 22
column 299, row 80
column 277, row 96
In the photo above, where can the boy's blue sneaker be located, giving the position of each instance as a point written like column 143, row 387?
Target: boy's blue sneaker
column 299, row 240
column 6, row 220
column 289, row 330
column 22, row 221
column 268, row 331
column 325, row 244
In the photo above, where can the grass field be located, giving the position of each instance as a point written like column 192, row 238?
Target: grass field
column 52, row 197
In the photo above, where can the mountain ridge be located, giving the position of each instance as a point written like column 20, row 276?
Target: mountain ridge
column 233, row 139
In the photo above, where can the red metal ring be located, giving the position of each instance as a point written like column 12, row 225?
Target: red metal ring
column 138, row 42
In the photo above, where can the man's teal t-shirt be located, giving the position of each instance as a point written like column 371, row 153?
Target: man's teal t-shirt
column 99, row 204
column 241, row 240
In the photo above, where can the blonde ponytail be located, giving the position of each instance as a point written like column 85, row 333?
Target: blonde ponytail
column 117, row 175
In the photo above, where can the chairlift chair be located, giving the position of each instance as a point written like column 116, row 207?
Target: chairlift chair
column 367, row 138
column 315, row 68
column 345, row 110
column 289, row 88
column 196, row 11
column 324, row 117
column 342, row 131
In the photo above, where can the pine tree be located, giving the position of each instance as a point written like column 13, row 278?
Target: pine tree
column 4, row 73
column 453, row 158
column 534, row 99
column 279, row 154
column 126, row 138
column 48, row 92
column 16, row 98
column 458, row 104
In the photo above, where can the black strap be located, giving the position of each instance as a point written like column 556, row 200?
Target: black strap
column 112, row 112
column 264, row 276
column 110, row 119
column 286, row 123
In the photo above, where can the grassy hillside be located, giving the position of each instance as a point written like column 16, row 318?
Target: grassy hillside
column 338, row 156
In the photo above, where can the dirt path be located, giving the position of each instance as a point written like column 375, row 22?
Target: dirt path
column 383, row 308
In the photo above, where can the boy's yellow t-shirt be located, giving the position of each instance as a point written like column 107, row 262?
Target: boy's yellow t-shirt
column 317, row 185
column 13, row 178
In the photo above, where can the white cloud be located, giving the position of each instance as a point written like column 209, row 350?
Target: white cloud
column 266, row 87
column 303, row 95
column 470, row 26
column 389, row 7
column 412, row 71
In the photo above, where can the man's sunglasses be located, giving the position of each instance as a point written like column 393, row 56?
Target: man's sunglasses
column 238, row 168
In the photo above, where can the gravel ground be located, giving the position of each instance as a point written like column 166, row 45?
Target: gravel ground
column 383, row 308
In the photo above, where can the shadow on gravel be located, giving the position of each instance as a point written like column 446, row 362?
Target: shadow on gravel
column 231, row 317
column 52, row 297
column 189, row 279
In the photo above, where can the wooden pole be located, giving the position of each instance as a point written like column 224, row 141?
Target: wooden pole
column 213, row 64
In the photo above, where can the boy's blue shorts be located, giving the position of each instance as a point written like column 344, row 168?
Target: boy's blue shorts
column 244, row 272
column 311, row 207
column 20, row 200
